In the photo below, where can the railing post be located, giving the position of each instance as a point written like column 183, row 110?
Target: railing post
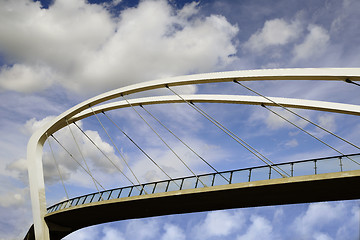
column 269, row 173
column 93, row 195
column 76, row 201
column 130, row 191
column 213, row 180
column 250, row 174
column 182, row 183
column 168, row 184
column 315, row 167
column 109, row 194
column 119, row 192
column 154, row 188
column 197, row 181
column 341, row 164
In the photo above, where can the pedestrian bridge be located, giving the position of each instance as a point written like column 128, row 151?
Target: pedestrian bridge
column 322, row 179
column 313, row 180
column 309, row 168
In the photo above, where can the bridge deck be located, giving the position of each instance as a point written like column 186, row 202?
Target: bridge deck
column 326, row 179
column 296, row 168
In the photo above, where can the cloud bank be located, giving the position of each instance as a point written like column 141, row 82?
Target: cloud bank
column 85, row 49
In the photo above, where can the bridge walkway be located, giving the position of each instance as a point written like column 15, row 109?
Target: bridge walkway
column 313, row 180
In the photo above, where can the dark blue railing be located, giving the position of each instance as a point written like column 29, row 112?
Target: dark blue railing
column 298, row 168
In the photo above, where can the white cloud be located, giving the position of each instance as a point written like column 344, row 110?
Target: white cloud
column 219, row 224
column 275, row 122
column 25, row 78
column 172, row 165
column 32, row 125
column 149, row 41
column 14, row 198
column 116, row 2
column 275, row 32
column 318, row 215
column 173, row 232
column 89, row 233
column 112, row 234
column 292, row 143
column 260, row 228
column 350, row 227
column 242, row 224
column 69, row 169
column 142, row 229
column 314, row 45
column 322, row 236
column 327, row 122
column 98, row 164
column 20, row 167
column 60, row 46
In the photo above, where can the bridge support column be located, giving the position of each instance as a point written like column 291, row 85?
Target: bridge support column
column 37, row 186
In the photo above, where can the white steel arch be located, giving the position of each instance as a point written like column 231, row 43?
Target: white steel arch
column 230, row 99
column 35, row 145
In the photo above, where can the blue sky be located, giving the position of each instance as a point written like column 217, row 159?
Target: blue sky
column 55, row 54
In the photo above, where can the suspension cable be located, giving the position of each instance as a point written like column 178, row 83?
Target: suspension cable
column 77, row 162
column 263, row 105
column 138, row 147
column 87, row 136
column 192, row 150
column 57, row 167
column 117, row 149
column 234, row 136
column 82, row 156
column 245, row 144
column 289, row 110
column 163, row 141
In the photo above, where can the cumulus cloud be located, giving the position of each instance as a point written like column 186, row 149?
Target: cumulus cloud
column 84, row 153
column 32, row 125
column 275, row 32
column 112, row 234
column 322, row 236
column 20, row 167
column 149, row 229
column 145, row 42
column 314, row 44
column 274, row 122
column 314, row 222
column 219, row 224
column 25, row 78
column 171, row 164
column 14, row 198
column 260, row 228
column 327, row 122
column 91, row 232
column 292, row 143
column 173, row 232
column 241, row 224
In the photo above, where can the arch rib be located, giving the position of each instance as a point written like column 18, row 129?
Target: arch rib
column 230, row 99
column 35, row 145
column 317, row 74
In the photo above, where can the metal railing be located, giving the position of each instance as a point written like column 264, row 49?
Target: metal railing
column 297, row 168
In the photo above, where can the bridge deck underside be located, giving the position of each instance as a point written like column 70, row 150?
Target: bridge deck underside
column 303, row 189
